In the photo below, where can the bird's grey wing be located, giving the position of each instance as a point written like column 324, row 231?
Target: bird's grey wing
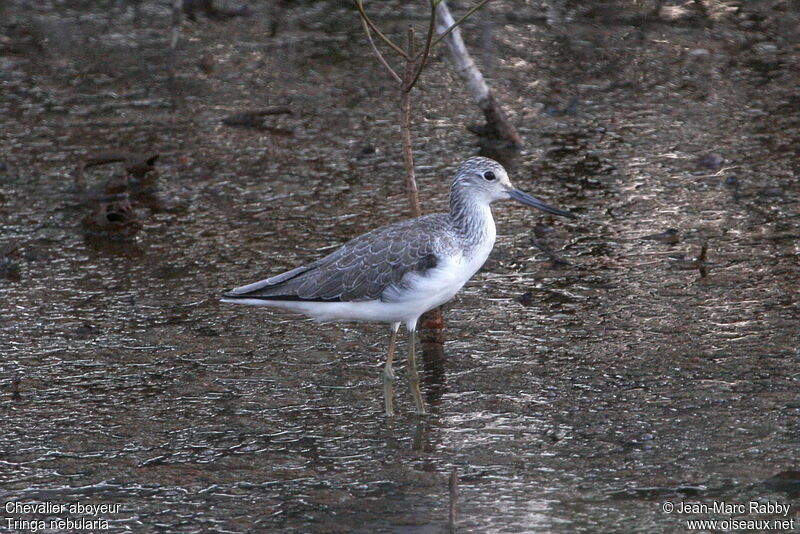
column 361, row 269
column 252, row 289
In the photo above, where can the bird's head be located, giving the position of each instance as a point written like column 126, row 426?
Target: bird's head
column 485, row 180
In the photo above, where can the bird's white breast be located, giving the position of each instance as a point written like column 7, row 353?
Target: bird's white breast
column 426, row 290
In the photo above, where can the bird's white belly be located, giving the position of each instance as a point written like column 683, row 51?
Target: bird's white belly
column 436, row 287
column 421, row 292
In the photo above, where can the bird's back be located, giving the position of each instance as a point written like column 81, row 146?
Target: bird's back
column 364, row 267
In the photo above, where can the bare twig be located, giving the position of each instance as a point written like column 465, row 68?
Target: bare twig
column 422, row 57
column 176, row 97
column 389, row 42
column 175, row 32
column 136, row 164
column 405, row 129
column 458, row 22
column 498, row 126
column 453, row 485
column 378, row 53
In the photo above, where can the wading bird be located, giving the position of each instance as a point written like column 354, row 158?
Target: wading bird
column 396, row 273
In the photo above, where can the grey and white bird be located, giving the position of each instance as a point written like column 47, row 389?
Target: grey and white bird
column 397, row 272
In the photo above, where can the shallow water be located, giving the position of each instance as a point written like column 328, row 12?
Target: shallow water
column 578, row 390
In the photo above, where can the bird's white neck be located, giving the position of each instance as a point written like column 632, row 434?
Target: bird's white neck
column 472, row 218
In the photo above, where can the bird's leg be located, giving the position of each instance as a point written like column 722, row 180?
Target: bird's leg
column 388, row 373
column 413, row 375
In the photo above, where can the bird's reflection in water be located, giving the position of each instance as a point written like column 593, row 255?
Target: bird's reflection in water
column 433, row 365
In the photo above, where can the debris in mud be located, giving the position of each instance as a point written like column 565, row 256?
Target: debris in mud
column 210, row 11
column 113, row 214
column 786, row 481
column 712, row 162
column 669, row 236
column 138, row 167
column 688, row 264
column 256, row 120
column 526, row 299
column 9, row 266
column 206, row 63
column 15, row 388
column 116, row 220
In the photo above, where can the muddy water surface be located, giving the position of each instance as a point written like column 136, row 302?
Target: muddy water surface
column 592, row 371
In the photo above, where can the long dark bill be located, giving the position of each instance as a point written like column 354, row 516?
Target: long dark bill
column 525, row 198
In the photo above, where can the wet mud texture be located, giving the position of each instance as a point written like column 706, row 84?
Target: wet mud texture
column 591, row 371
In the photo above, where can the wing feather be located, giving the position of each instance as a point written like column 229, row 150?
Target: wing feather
column 362, row 269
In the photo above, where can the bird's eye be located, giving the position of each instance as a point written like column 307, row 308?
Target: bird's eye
column 489, row 176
